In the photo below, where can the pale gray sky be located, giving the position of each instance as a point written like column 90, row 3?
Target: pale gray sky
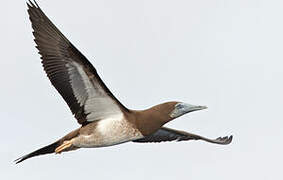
column 221, row 53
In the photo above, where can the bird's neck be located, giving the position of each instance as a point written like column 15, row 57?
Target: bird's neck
column 150, row 120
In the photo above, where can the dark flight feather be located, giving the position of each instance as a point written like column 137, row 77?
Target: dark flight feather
column 168, row 134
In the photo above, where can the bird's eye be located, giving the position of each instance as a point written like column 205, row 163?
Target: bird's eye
column 179, row 106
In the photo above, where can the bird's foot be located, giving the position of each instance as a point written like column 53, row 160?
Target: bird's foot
column 62, row 147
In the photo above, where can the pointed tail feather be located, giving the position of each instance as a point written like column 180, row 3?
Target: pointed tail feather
column 51, row 148
column 45, row 150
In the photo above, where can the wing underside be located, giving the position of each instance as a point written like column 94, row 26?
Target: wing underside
column 167, row 134
column 70, row 72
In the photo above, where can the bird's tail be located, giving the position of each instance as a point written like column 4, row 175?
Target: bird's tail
column 45, row 150
column 50, row 148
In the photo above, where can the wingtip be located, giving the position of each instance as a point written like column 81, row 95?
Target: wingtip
column 31, row 4
column 225, row 140
column 229, row 139
column 28, row 5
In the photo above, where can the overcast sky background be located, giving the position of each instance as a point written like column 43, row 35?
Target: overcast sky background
column 224, row 54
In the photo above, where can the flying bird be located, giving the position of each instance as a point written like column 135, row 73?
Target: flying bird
column 104, row 120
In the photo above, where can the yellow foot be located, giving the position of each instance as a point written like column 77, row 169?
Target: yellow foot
column 65, row 145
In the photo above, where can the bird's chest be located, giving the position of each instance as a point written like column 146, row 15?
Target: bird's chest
column 111, row 131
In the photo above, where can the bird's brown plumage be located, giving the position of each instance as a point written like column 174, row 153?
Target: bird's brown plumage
column 105, row 121
column 150, row 120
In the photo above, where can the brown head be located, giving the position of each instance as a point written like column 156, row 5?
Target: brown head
column 150, row 120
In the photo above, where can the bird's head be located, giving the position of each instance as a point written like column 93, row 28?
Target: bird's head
column 152, row 119
column 168, row 111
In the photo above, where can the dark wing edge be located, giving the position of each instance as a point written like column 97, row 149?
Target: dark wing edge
column 167, row 134
column 56, row 51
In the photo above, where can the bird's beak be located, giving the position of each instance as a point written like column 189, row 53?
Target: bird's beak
column 184, row 108
column 191, row 108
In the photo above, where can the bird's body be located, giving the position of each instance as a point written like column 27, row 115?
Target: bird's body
column 104, row 120
column 107, row 132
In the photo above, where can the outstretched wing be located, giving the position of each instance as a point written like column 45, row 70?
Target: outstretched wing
column 70, row 72
column 167, row 134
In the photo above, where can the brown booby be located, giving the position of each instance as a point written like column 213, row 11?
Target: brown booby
column 104, row 120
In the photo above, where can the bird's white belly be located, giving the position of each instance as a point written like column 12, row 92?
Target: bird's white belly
column 111, row 131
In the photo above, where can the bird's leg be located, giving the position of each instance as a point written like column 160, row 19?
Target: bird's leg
column 62, row 147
